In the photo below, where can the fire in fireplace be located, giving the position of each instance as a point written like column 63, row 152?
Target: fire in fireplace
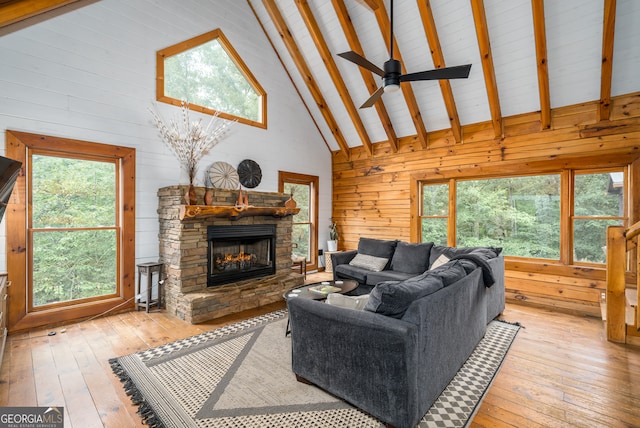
column 240, row 252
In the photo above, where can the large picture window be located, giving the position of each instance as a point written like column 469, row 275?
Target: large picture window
column 74, row 229
column 519, row 214
column 70, row 230
column 560, row 216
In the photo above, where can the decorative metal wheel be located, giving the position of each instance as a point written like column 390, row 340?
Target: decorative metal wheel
column 223, row 176
column 250, row 173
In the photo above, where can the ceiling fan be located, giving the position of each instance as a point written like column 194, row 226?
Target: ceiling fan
column 392, row 73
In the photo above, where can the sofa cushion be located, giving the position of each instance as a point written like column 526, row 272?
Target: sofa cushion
column 366, row 261
column 449, row 272
column 349, row 302
column 487, row 252
column 411, row 258
column 351, row 272
column 392, row 298
column 377, row 247
column 387, row 275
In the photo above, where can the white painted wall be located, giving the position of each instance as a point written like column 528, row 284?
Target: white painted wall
column 90, row 75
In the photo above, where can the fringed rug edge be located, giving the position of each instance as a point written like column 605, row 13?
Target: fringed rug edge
column 145, row 410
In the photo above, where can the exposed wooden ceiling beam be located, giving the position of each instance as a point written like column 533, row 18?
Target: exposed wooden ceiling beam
column 385, row 28
column 18, row 10
column 369, row 80
column 482, row 32
column 540, row 35
column 286, row 70
column 334, row 73
column 431, row 32
column 303, row 68
column 370, row 4
column 608, row 30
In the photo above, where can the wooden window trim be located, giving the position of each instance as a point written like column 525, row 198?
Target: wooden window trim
column 17, row 146
column 216, row 34
column 629, row 162
column 292, row 177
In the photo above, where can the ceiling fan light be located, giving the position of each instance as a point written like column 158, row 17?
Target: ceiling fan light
column 392, row 87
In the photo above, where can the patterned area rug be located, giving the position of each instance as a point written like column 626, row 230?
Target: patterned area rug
column 240, row 376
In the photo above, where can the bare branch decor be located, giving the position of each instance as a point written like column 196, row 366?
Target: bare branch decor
column 190, row 141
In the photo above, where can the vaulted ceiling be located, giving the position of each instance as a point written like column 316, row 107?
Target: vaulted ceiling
column 526, row 55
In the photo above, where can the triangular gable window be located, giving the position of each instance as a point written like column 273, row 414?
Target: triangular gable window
column 207, row 72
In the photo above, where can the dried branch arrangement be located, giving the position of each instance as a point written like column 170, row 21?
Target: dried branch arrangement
column 190, row 141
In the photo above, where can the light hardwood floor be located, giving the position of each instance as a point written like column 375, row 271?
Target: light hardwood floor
column 560, row 371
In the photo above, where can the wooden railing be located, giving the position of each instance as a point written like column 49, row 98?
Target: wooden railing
column 619, row 243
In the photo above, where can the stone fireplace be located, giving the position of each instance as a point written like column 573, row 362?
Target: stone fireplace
column 189, row 258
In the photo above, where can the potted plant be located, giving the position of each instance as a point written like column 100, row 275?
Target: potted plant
column 332, row 243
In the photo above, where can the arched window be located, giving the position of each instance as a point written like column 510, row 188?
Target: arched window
column 208, row 73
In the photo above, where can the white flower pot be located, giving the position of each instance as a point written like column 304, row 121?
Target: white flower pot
column 332, row 246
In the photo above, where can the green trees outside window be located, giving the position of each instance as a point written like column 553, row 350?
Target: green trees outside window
column 73, row 229
column 301, row 234
column 523, row 214
column 435, row 213
column 208, row 73
column 519, row 214
column 598, row 203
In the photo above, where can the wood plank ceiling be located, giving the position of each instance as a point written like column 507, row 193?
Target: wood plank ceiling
column 526, row 55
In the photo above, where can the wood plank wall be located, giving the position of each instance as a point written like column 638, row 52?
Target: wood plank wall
column 372, row 194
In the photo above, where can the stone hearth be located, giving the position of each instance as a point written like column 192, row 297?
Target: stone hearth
column 183, row 251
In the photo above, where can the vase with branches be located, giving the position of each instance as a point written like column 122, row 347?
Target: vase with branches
column 190, row 140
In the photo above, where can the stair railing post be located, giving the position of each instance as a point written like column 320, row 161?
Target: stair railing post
column 616, row 267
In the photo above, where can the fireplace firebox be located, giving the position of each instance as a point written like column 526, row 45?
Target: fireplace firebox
column 240, row 252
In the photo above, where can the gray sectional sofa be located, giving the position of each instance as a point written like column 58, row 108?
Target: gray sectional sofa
column 403, row 261
column 394, row 358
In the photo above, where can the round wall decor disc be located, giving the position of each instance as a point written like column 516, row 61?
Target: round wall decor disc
column 223, row 176
column 250, row 173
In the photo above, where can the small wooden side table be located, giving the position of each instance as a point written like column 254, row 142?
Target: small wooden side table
column 328, row 264
column 149, row 269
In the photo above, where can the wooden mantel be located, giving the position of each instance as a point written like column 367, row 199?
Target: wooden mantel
column 200, row 211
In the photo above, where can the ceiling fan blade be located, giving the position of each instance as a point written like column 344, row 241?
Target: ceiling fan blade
column 457, row 72
column 373, row 98
column 362, row 62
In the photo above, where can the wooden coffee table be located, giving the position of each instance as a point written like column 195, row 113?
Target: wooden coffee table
column 306, row 292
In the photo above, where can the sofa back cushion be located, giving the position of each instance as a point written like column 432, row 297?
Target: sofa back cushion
column 451, row 252
column 411, row 258
column 377, row 248
column 450, row 272
column 392, row 298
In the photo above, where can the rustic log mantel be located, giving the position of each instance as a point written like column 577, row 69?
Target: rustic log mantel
column 233, row 212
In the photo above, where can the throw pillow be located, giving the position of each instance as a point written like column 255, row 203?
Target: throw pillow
column 439, row 261
column 392, row 298
column 411, row 258
column 365, row 261
column 351, row 302
column 376, row 247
